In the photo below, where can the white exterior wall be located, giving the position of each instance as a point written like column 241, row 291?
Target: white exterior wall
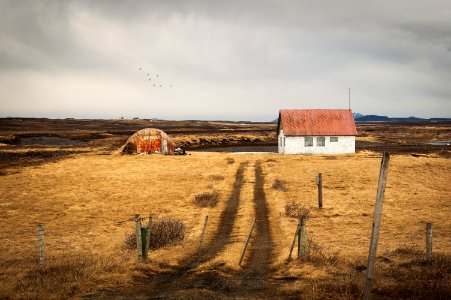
column 295, row 145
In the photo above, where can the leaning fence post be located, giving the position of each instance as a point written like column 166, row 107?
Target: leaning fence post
column 294, row 241
column 376, row 225
column 41, row 244
column 139, row 244
column 428, row 243
column 202, row 238
column 247, row 242
column 299, row 238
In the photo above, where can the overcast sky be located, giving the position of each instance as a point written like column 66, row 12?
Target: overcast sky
column 235, row 60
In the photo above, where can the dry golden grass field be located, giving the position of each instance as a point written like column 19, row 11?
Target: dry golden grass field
column 87, row 199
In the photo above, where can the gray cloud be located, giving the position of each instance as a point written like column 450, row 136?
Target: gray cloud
column 226, row 59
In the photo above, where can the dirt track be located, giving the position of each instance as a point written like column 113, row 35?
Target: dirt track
column 227, row 220
column 220, row 282
column 256, row 268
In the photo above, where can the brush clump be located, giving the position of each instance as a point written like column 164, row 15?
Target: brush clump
column 280, row 185
column 216, row 177
column 163, row 233
column 230, row 160
column 297, row 210
column 207, row 199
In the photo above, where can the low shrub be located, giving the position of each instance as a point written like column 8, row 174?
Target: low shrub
column 207, row 199
column 230, row 160
column 280, row 185
column 297, row 210
column 216, row 177
column 318, row 255
column 163, row 232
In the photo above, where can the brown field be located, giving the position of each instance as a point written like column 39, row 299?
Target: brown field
column 86, row 198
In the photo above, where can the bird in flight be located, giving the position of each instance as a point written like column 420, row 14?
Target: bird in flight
column 157, row 75
column 140, row 68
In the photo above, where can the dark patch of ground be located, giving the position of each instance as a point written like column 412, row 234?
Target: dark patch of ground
column 221, row 136
column 12, row 162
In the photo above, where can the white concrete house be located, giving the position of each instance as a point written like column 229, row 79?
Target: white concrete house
column 316, row 131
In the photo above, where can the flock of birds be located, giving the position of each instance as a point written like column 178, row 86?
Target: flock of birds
column 154, row 80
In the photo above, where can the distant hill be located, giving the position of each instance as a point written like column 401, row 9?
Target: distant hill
column 375, row 118
column 371, row 118
column 358, row 117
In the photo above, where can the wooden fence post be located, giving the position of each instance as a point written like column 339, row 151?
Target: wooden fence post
column 148, row 232
column 139, row 244
column 247, row 242
column 146, row 237
column 376, row 225
column 41, row 244
column 202, row 238
column 294, row 241
column 319, row 182
column 303, row 237
column 299, row 238
column 428, row 243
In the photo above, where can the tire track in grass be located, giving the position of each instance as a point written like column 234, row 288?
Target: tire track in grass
column 227, row 219
column 256, row 267
column 218, row 282
column 163, row 285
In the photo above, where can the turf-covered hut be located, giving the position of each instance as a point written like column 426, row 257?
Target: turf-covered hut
column 149, row 140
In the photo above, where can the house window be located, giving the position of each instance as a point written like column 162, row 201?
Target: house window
column 334, row 139
column 308, row 141
column 320, row 141
column 284, row 141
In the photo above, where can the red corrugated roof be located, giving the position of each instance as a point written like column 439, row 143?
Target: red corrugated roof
column 307, row 122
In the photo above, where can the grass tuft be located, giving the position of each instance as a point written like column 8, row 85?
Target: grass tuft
column 297, row 210
column 64, row 276
column 317, row 255
column 216, row 177
column 207, row 199
column 280, row 185
column 230, row 160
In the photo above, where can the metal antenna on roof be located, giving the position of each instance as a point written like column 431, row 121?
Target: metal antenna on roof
column 349, row 99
